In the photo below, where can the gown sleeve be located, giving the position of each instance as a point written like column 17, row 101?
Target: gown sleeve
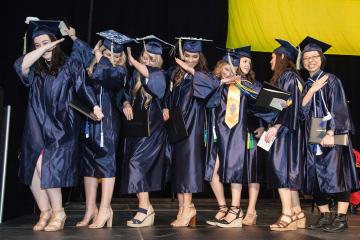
column 204, row 84
column 26, row 80
column 82, row 52
column 155, row 84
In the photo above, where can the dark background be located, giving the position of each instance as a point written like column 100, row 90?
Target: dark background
column 135, row 18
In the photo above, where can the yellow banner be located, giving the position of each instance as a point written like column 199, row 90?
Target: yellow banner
column 259, row 22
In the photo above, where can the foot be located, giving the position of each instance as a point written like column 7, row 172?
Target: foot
column 233, row 213
column 285, row 223
column 143, row 218
column 323, row 220
column 339, row 224
column 250, row 218
column 181, row 209
column 219, row 215
column 90, row 214
column 105, row 215
column 187, row 217
column 57, row 221
column 43, row 221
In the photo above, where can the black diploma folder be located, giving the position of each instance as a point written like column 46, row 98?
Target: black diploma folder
column 138, row 126
column 271, row 97
column 82, row 108
column 175, row 126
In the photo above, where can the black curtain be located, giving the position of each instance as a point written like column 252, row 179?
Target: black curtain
column 136, row 18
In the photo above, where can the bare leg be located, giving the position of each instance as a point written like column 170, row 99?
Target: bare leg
column 107, row 188
column 218, row 189
column 235, row 201
column 285, row 197
column 343, row 207
column 253, row 195
column 91, row 185
column 144, row 202
column 295, row 202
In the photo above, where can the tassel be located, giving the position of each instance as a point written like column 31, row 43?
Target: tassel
column 101, row 123
column 112, row 54
column 231, row 64
column 205, row 136
column 298, row 59
column 181, row 50
column 87, row 131
column 214, row 134
column 25, row 43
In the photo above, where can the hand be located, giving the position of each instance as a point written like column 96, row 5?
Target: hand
column 259, row 132
column 327, row 141
column 97, row 46
column 98, row 113
column 128, row 111
column 229, row 80
column 52, row 45
column 166, row 114
column 89, row 71
column 318, row 84
column 71, row 32
column 271, row 134
column 130, row 57
column 184, row 66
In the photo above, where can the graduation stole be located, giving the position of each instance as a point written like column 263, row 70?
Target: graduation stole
column 232, row 106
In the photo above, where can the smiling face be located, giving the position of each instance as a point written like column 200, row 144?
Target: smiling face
column 150, row 59
column 42, row 40
column 312, row 61
column 192, row 59
column 245, row 65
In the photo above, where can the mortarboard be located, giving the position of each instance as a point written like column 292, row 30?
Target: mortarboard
column 153, row 44
column 312, row 44
column 114, row 41
column 287, row 49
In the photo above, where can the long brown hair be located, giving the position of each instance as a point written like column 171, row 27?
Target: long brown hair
column 218, row 67
column 250, row 75
column 282, row 64
column 57, row 60
column 201, row 66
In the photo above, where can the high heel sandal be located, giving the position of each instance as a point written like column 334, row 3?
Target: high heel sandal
column 43, row 221
column 300, row 222
column 281, row 225
column 108, row 219
column 181, row 209
column 146, row 222
column 250, row 219
column 222, row 209
column 236, row 222
column 84, row 223
column 185, row 221
column 56, row 222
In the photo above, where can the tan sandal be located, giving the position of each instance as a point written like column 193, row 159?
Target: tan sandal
column 186, row 221
column 43, row 221
column 301, row 222
column 281, row 225
column 85, row 223
column 56, row 222
column 250, row 219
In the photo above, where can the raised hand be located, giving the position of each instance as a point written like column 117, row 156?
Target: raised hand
column 229, row 80
column 185, row 66
column 129, row 55
column 318, row 84
column 71, row 32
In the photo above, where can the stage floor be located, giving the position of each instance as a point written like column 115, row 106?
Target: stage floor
column 268, row 211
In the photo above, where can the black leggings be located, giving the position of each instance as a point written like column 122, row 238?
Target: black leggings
column 322, row 198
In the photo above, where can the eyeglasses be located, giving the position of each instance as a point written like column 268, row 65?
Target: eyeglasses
column 311, row 58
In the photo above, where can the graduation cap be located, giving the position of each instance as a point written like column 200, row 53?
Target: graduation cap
column 192, row 44
column 154, row 45
column 230, row 56
column 114, row 41
column 287, row 49
column 244, row 51
column 312, row 44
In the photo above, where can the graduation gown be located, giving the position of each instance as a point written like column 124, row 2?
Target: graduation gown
column 238, row 163
column 188, row 155
column 51, row 126
column 106, row 81
column 285, row 164
column 143, row 164
column 335, row 167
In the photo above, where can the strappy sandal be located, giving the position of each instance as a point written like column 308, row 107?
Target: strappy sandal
column 222, row 209
column 281, row 225
column 236, row 222
column 301, row 222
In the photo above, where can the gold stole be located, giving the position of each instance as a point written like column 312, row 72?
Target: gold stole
column 232, row 106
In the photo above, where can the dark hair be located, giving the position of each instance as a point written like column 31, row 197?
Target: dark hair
column 201, row 66
column 281, row 65
column 250, row 75
column 57, row 60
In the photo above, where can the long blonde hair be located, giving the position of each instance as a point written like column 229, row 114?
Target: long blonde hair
column 138, row 86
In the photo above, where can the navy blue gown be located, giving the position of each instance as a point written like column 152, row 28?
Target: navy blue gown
column 143, row 164
column 285, row 165
column 335, row 167
column 51, row 125
column 106, row 82
column 188, row 155
column 238, row 162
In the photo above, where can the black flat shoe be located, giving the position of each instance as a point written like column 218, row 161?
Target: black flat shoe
column 323, row 221
column 339, row 224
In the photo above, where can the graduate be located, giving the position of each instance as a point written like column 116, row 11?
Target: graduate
column 231, row 151
column 188, row 154
column 106, row 67
column 330, row 168
column 285, row 164
column 143, row 163
column 48, row 153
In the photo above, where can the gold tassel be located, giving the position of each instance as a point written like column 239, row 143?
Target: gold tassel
column 298, row 60
column 181, row 50
column 25, row 43
column 231, row 64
